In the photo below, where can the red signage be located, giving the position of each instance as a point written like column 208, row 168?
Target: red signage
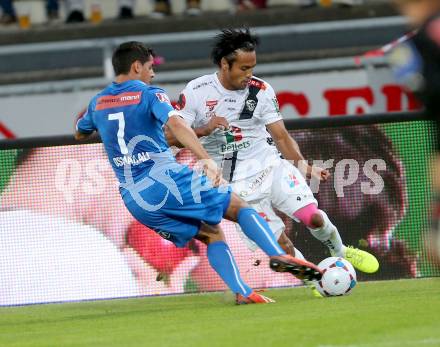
column 6, row 132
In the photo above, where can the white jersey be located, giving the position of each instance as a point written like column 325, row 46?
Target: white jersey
column 243, row 150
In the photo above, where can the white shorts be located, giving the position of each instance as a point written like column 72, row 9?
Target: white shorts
column 279, row 186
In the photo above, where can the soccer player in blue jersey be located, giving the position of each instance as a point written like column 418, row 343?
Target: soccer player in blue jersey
column 175, row 201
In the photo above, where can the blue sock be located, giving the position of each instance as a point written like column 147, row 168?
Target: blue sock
column 222, row 261
column 257, row 229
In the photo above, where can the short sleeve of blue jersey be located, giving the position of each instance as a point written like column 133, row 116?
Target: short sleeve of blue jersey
column 85, row 123
column 160, row 104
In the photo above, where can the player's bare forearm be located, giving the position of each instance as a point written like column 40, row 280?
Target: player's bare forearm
column 186, row 136
column 171, row 139
column 290, row 150
column 287, row 146
column 202, row 131
column 79, row 136
column 216, row 122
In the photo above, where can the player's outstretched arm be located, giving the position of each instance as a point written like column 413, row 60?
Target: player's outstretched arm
column 216, row 122
column 85, row 127
column 187, row 137
column 171, row 139
column 290, row 150
column 285, row 143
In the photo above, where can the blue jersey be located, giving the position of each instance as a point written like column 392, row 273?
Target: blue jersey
column 129, row 117
column 160, row 193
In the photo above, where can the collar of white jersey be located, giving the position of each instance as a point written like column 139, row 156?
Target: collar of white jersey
column 223, row 89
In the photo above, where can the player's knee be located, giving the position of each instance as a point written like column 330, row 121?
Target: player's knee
column 234, row 208
column 210, row 234
column 316, row 221
column 215, row 237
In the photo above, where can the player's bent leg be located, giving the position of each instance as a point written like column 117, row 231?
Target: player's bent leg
column 210, row 234
column 263, row 207
column 283, row 240
column 253, row 225
column 325, row 231
column 361, row 260
column 320, row 227
column 235, row 205
column 222, row 261
column 287, row 245
column 296, row 200
column 257, row 229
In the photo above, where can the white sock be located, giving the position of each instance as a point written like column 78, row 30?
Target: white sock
column 328, row 234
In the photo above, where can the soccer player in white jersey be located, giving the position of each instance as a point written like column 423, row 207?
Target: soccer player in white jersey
column 235, row 113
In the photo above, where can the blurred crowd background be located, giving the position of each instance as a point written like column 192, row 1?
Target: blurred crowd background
column 80, row 11
column 62, row 21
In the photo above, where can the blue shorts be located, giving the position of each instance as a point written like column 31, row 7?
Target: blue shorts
column 176, row 215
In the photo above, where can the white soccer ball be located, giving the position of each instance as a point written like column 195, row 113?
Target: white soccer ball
column 339, row 277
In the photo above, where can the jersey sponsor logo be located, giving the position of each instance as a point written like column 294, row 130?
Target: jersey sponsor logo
column 134, row 159
column 233, row 135
column 180, row 105
column 204, row 84
column 291, row 180
column 234, row 147
column 209, row 114
column 258, row 84
column 162, row 97
column 251, row 105
column 210, row 104
column 257, row 182
column 234, row 141
column 120, row 100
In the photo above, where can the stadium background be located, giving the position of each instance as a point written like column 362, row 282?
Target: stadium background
column 59, row 187
column 392, row 224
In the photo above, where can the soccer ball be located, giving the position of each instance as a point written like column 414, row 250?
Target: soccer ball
column 339, row 277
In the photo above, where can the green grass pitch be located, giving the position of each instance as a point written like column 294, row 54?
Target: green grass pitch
column 390, row 313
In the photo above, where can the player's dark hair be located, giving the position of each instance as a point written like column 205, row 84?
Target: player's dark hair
column 229, row 41
column 127, row 53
